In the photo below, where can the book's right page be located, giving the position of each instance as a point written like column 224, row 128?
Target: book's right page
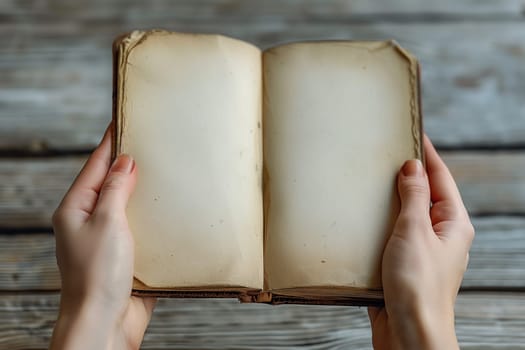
column 340, row 119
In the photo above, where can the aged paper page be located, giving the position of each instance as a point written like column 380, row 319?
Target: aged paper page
column 192, row 121
column 338, row 125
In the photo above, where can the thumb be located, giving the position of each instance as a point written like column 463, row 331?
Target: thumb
column 118, row 185
column 414, row 192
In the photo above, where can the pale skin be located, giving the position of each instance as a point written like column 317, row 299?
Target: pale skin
column 94, row 249
column 424, row 260
column 423, row 263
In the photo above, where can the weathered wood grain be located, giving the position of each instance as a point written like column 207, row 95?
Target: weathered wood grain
column 483, row 321
column 55, row 73
column 238, row 9
column 27, row 261
column 30, row 189
column 55, row 96
column 490, row 182
column 497, row 258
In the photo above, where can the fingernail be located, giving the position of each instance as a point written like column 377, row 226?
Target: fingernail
column 412, row 167
column 123, row 164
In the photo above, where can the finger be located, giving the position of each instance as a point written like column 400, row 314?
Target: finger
column 149, row 305
column 442, row 184
column 79, row 201
column 414, row 192
column 91, row 176
column 142, row 308
column 372, row 313
column 117, row 187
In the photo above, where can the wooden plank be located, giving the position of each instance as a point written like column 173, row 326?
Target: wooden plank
column 490, row 321
column 27, row 261
column 490, row 182
column 30, row 189
column 56, row 74
column 496, row 257
column 483, row 321
column 210, row 9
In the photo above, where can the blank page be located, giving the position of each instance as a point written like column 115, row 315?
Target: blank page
column 191, row 115
column 340, row 118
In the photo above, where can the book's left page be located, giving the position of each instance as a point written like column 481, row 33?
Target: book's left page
column 188, row 109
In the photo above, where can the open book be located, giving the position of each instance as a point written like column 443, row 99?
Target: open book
column 268, row 176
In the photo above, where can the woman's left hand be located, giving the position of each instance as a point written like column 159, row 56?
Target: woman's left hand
column 95, row 252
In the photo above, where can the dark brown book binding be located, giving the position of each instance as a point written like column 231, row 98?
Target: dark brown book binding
column 350, row 296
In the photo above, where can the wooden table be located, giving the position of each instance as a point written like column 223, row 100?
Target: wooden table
column 55, row 102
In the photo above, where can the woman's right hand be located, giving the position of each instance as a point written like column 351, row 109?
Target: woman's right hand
column 424, row 260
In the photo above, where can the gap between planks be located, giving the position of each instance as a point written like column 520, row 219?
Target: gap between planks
column 497, row 262
column 100, row 10
column 30, row 189
column 483, row 321
column 472, row 76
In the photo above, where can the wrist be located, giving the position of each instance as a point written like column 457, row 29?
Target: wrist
column 420, row 325
column 84, row 325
